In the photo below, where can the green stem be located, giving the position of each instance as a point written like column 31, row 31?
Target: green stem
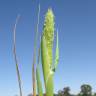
column 48, row 78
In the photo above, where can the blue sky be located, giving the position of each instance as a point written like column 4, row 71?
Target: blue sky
column 76, row 22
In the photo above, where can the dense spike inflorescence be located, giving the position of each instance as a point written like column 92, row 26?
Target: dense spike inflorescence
column 48, row 32
column 46, row 52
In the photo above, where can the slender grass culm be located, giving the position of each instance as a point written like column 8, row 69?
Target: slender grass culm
column 34, row 57
column 39, row 84
column 15, row 56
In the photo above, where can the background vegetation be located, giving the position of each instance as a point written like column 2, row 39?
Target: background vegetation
column 85, row 90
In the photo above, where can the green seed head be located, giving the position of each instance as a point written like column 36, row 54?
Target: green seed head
column 48, row 32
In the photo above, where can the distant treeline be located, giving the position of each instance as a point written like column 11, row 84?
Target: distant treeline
column 86, row 90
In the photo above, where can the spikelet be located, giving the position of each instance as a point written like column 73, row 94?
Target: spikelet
column 48, row 32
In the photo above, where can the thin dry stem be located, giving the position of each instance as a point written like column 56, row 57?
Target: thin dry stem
column 15, row 56
column 34, row 57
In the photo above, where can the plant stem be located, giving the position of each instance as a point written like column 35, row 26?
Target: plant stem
column 34, row 58
column 15, row 56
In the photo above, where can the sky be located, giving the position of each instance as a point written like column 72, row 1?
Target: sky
column 76, row 23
